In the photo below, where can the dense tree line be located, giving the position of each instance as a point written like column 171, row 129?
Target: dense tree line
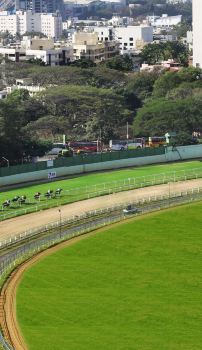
column 174, row 106
column 84, row 102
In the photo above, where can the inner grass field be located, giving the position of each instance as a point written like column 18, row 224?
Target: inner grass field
column 132, row 286
column 96, row 182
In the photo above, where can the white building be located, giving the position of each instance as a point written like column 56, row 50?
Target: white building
column 176, row 1
column 197, row 33
column 130, row 38
column 8, row 22
column 51, row 24
column 27, row 21
column 164, row 21
column 42, row 49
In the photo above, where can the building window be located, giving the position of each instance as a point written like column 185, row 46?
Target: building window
column 125, row 44
column 131, row 39
column 131, row 44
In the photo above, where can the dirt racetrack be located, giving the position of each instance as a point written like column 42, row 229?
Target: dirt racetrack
column 10, row 227
column 14, row 226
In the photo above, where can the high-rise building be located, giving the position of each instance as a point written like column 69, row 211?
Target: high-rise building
column 50, row 24
column 45, row 6
column 24, row 5
column 197, row 33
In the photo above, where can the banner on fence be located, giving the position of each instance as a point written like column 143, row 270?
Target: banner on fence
column 49, row 163
column 51, row 174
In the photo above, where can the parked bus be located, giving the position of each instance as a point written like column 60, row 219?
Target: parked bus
column 122, row 145
column 157, row 141
column 84, row 147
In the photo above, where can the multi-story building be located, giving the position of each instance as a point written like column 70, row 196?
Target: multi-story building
column 41, row 49
column 87, row 45
column 50, row 24
column 130, row 38
column 8, row 22
column 47, row 6
column 164, row 21
column 197, row 33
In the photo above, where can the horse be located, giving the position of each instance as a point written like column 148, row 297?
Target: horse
column 58, row 192
column 37, row 195
column 49, row 194
column 15, row 199
column 22, row 200
column 6, row 203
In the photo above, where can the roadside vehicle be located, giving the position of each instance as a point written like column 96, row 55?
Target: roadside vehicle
column 59, row 145
column 123, row 145
column 157, row 141
column 84, row 146
column 130, row 210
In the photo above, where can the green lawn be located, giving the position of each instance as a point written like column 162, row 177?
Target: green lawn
column 78, row 188
column 132, row 286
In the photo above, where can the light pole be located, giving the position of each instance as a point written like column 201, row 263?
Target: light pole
column 127, row 134
column 60, row 222
column 169, row 193
column 8, row 164
column 99, row 141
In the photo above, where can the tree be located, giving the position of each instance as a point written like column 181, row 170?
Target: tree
column 155, row 53
column 82, row 111
column 139, row 88
column 83, row 63
column 181, row 29
column 37, row 61
column 159, row 116
column 171, row 80
column 122, row 63
column 184, row 138
column 15, row 142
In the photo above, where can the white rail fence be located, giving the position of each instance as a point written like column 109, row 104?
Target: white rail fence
column 86, row 192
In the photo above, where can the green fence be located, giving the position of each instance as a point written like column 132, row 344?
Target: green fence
column 81, row 159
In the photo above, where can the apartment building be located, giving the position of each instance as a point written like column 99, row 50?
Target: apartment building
column 87, row 45
column 45, row 6
column 130, row 38
column 164, row 21
column 50, row 24
column 37, row 48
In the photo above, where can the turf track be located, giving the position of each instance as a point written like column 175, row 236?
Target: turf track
column 134, row 286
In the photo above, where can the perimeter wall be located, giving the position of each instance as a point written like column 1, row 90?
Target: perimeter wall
column 98, row 162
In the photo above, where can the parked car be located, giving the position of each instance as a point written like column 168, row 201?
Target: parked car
column 130, row 210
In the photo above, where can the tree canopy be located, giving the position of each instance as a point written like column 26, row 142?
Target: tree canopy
column 155, row 53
